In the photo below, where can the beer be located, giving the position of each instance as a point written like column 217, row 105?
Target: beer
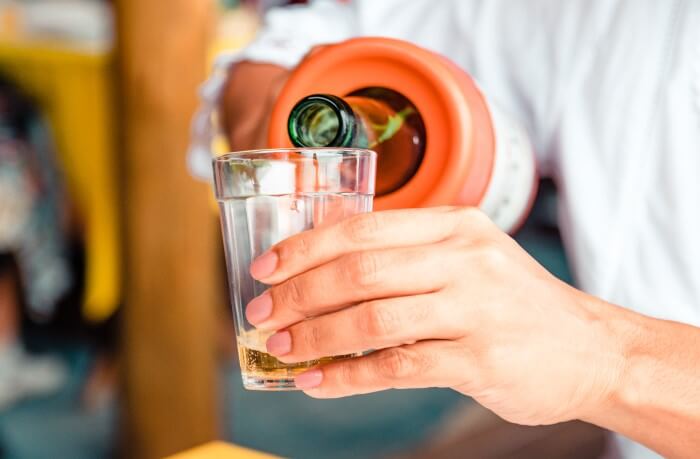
column 259, row 366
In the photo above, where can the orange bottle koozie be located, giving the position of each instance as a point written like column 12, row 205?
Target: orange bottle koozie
column 474, row 155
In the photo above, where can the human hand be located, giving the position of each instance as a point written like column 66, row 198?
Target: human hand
column 446, row 300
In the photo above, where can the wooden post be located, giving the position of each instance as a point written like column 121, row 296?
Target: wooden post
column 171, row 250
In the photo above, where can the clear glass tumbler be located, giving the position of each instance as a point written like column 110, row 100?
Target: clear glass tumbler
column 266, row 196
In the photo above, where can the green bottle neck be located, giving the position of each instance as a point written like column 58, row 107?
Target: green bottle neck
column 374, row 118
column 324, row 120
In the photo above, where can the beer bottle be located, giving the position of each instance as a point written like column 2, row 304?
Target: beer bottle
column 374, row 118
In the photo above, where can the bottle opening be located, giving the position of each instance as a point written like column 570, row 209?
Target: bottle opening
column 373, row 118
column 320, row 121
column 396, row 133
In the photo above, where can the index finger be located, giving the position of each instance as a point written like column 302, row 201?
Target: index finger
column 370, row 231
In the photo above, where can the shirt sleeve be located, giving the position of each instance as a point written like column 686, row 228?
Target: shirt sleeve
column 287, row 34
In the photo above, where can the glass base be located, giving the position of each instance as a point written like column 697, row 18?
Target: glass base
column 251, row 382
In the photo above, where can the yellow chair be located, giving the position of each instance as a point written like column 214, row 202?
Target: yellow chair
column 74, row 88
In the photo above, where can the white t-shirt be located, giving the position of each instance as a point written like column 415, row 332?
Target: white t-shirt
column 609, row 91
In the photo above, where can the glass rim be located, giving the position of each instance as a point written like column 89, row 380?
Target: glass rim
column 245, row 154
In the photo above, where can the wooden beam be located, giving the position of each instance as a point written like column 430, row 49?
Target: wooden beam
column 171, row 231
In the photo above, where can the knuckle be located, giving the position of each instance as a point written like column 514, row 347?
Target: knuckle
column 400, row 363
column 418, row 256
column 468, row 213
column 491, row 356
column 422, row 312
column 345, row 375
column 361, row 228
column 302, row 246
column 468, row 218
column 312, row 337
column 296, row 248
column 291, row 294
column 380, row 321
column 362, row 269
column 490, row 255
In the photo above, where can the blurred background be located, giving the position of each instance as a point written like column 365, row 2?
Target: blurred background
column 115, row 331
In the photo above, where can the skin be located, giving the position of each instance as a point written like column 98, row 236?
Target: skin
column 247, row 101
column 447, row 300
column 9, row 310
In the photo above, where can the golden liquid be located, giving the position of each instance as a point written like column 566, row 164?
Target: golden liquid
column 256, row 362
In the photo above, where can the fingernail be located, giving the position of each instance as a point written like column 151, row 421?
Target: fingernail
column 259, row 309
column 279, row 343
column 309, row 379
column 264, row 266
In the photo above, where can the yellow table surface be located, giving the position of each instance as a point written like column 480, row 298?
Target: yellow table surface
column 220, row 450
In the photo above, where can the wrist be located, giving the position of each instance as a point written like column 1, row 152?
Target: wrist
column 614, row 339
column 634, row 396
column 651, row 393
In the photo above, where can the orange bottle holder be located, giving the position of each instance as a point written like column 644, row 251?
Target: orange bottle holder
column 459, row 150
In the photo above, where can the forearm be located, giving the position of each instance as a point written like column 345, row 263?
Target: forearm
column 247, row 102
column 656, row 399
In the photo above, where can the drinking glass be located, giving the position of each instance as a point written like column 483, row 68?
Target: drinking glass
column 266, row 196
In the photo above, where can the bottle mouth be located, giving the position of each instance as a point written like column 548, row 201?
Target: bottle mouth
column 321, row 120
column 399, row 163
